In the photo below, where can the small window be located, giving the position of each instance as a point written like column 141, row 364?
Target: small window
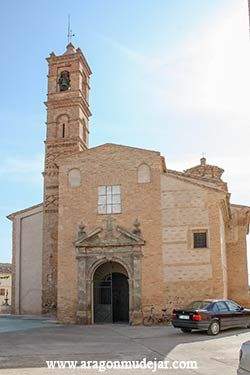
column 143, row 174
column 2, row 292
column 62, row 126
column 63, row 130
column 200, row 240
column 109, row 199
column 74, row 177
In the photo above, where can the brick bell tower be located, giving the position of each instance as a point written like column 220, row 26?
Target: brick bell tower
column 67, row 132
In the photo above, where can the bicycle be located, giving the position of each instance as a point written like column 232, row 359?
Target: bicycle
column 151, row 318
column 165, row 318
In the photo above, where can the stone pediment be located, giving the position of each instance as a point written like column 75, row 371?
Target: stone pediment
column 110, row 235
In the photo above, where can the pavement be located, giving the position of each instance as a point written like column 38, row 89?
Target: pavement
column 26, row 345
column 13, row 324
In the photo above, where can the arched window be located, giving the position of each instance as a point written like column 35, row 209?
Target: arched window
column 143, row 174
column 74, row 177
column 62, row 126
column 63, row 130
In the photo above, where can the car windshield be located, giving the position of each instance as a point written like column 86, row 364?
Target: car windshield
column 199, row 305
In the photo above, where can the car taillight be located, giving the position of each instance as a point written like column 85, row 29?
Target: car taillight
column 196, row 317
column 174, row 314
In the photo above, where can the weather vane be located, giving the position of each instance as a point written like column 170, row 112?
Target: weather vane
column 70, row 34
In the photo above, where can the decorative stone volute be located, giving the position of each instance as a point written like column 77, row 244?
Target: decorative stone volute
column 81, row 232
column 109, row 235
column 137, row 230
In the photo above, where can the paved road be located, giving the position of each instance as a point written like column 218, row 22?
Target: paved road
column 15, row 324
column 28, row 344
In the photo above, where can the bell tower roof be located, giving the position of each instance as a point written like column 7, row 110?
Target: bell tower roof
column 71, row 53
column 70, row 49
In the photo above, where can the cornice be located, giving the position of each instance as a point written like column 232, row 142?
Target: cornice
column 189, row 179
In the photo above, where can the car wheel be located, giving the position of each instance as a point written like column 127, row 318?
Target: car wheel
column 214, row 328
column 186, row 330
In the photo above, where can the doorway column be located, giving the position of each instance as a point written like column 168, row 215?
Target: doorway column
column 82, row 311
column 136, row 317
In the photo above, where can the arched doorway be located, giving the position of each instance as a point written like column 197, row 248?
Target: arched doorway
column 111, row 294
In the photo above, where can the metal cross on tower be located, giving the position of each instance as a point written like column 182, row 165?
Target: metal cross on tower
column 70, row 34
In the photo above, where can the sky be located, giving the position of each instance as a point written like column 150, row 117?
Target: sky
column 168, row 75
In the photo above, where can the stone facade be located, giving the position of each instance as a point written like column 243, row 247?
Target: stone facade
column 121, row 205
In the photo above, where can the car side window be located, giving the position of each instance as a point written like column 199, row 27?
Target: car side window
column 215, row 308
column 210, row 307
column 233, row 306
column 222, row 306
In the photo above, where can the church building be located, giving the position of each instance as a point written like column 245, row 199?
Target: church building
column 118, row 231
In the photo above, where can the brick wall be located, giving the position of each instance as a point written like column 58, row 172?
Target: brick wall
column 110, row 165
column 238, row 288
column 191, row 273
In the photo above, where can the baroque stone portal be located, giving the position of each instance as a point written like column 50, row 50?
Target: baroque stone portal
column 110, row 243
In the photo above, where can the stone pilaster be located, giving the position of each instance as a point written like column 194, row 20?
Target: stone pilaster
column 81, row 315
column 136, row 311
